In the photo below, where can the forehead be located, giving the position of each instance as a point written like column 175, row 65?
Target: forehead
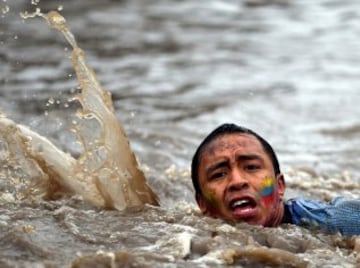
column 232, row 142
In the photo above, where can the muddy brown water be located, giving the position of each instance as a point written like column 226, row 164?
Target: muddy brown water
column 177, row 69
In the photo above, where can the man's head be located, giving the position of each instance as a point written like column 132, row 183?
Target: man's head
column 237, row 177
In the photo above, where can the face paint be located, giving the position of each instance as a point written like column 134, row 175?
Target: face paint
column 209, row 197
column 268, row 190
column 212, row 205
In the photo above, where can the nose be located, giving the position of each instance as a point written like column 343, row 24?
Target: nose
column 237, row 181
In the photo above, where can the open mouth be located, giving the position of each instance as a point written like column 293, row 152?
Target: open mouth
column 243, row 203
column 243, row 208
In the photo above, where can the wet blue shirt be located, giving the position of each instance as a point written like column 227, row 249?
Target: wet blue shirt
column 340, row 215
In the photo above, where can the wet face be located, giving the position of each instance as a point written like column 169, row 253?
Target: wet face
column 238, row 182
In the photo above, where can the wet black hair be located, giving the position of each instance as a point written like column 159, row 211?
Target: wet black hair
column 223, row 130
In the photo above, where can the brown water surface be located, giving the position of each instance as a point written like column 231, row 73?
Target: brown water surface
column 177, row 69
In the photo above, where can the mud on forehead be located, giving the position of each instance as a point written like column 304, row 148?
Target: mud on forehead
column 219, row 144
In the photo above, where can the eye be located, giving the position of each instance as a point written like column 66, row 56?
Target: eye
column 252, row 167
column 218, row 175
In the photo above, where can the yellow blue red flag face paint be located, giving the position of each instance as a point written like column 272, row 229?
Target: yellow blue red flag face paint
column 267, row 192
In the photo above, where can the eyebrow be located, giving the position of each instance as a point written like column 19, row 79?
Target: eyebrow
column 245, row 157
column 220, row 164
column 225, row 162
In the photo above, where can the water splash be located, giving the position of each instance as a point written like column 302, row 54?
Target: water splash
column 106, row 174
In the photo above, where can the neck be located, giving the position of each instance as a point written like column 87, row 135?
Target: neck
column 276, row 218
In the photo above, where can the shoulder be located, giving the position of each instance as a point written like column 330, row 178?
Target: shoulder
column 305, row 203
column 339, row 215
column 301, row 211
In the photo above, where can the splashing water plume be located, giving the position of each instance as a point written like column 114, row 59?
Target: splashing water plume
column 106, row 174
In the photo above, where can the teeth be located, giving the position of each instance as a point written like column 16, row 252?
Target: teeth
column 240, row 203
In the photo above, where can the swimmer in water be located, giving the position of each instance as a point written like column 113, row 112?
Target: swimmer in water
column 236, row 177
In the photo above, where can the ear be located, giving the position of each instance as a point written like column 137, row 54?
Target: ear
column 206, row 207
column 280, row 185
column 203, row 205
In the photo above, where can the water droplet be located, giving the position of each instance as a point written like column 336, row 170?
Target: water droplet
column 16, row 37
column 51, row 101
column 35, row 2
column 5, row 9
column 26, row 15
column 60, row 8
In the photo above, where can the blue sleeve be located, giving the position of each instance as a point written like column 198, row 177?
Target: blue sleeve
column 339, row 215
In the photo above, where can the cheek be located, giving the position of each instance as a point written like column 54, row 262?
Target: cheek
column 210, row 197
column 267, row 191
